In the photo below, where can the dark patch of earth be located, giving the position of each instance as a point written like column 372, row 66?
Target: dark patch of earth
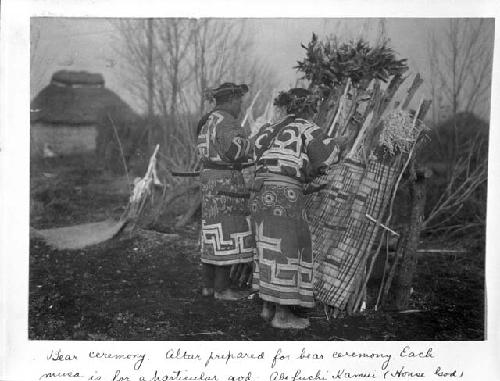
column 145, row 285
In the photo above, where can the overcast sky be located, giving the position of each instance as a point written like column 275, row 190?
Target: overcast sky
column 87, row 44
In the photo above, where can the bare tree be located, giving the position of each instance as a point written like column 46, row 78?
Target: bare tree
column 40, row 62
column 215, row 53
column 151, row 87
column 174, row 46
column 373, row 30
column 460, row 60
column 157, row 54
column 187, row 56
column 132, row 47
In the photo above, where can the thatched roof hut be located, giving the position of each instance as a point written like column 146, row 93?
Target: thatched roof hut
column 75, row 78
column 77, row 98
column 73, row 114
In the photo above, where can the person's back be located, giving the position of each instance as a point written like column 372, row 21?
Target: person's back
column 221, row 142
column 287, row 154
column 298, row 150
column 227, row 237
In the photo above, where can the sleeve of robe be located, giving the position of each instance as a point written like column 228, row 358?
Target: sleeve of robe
column 262, row 140
column 321, row 149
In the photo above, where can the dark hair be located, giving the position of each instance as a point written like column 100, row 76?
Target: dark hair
column 226, row 92
column 225, row 98
column 297, row 101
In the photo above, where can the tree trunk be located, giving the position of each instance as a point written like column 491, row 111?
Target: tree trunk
column 404, row 279
column 150, row 84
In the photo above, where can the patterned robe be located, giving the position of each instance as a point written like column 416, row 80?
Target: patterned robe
column 227, row 236
column 285, row 161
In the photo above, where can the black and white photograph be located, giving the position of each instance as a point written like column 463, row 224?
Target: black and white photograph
column 249, row 179
column 249, row 191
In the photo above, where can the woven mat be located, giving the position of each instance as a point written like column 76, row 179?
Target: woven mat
column 342, row 236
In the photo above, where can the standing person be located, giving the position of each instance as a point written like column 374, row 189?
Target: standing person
column 227, row 237
column 288, row 155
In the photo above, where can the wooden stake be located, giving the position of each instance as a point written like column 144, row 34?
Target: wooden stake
column 352, row 153
column 391, row 90
column 404, row 279
column 417, row 82
column 424, row 109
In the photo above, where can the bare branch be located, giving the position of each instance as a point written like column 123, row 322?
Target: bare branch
column 461, row 62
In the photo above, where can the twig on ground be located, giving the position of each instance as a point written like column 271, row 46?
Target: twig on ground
column 218, row 332
column 442, row 251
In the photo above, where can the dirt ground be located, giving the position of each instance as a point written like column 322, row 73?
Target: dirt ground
column 145, row 285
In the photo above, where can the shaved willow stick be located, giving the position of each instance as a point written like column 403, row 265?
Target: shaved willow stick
column 342, row 105
column 250, row 109
column 142, row 189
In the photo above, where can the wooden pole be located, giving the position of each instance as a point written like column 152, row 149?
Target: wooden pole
column 403, row 281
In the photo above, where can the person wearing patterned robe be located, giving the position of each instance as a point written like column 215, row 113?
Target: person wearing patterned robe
column 288, row 155
column 227, row 237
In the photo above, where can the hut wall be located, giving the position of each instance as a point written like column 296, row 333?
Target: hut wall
column 62, row 139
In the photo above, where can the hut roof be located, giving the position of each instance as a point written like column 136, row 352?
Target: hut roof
column 61, row 102
column 69, row 77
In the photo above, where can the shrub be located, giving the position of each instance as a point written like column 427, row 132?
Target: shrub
column 458, row 155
